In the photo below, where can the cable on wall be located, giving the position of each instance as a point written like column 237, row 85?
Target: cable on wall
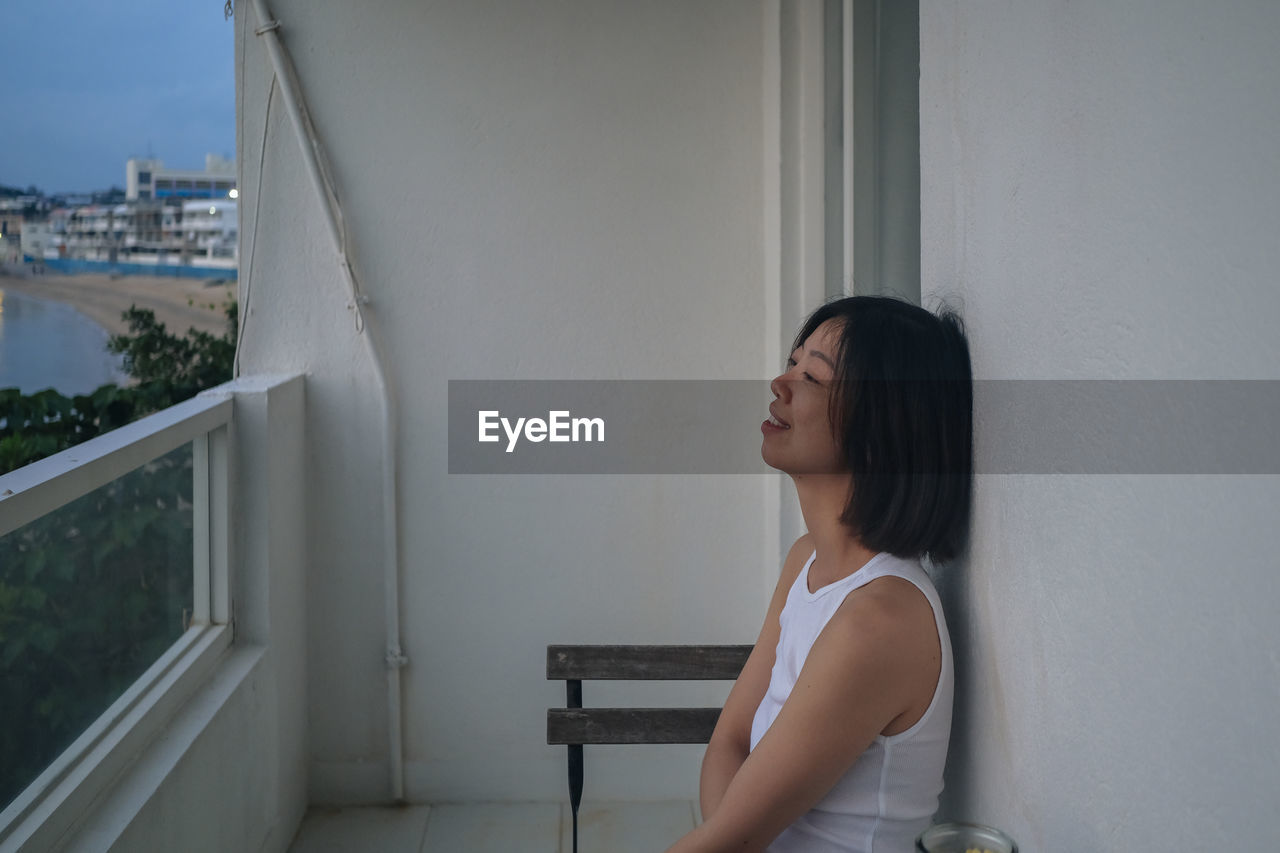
column 242, row 314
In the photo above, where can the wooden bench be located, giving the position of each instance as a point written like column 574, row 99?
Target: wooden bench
column 575, row 725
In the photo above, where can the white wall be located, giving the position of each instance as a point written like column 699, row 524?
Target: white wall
column 1100, row 183
column 532, row 190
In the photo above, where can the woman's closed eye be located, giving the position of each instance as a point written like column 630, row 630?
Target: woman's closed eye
column 791, row 362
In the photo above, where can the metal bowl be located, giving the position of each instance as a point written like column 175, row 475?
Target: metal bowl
column 959, row 837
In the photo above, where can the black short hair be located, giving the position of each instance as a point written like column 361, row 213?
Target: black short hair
column 902, row 411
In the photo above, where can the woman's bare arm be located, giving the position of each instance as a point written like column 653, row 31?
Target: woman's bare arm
column 731, row 741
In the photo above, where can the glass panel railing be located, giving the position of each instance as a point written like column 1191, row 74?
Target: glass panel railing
column 91, row 595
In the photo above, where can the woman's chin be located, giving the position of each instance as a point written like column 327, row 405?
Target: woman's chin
column 795, row 469
column 767, row 456
column 775, row 461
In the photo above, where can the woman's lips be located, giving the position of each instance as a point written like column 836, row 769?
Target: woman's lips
column 773, row 424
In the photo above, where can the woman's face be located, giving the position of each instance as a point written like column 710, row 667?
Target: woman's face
column 798, row 438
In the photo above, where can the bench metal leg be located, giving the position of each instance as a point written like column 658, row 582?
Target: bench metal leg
column 575, row 787
column 574, row 700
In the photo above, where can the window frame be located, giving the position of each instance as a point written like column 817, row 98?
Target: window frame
column 60, row 796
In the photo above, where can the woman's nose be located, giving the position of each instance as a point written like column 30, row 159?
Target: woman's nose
column 780, row 386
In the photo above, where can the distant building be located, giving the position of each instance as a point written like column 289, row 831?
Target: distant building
column 172, row 220
column 141, row 235
column 210, row 228
column 37, row 238
column 202, row 231
column 15, row 211
column 10, row 221
column 147, row 180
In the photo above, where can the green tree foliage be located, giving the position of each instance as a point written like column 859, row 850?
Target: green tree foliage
column 94, row 592
column 174, row 368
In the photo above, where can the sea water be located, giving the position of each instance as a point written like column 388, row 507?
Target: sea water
column 45, row 344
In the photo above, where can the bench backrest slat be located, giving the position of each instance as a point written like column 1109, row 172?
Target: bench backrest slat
column 630, row 725
column 645, row 663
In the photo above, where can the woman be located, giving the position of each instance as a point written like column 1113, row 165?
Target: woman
column 835, row 734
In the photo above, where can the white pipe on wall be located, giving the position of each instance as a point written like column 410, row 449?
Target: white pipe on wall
column 313, row 159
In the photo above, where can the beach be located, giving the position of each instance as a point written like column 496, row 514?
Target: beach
column 179, row 303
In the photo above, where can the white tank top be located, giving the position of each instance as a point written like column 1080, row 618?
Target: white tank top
column 889, row 794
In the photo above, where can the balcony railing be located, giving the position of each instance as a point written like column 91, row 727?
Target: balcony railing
column 114, row 605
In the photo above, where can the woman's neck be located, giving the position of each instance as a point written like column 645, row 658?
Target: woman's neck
column 822, row 501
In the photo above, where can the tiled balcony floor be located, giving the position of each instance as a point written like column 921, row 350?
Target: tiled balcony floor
column 495, row 828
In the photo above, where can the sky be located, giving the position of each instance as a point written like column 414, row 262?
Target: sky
column 90, row 83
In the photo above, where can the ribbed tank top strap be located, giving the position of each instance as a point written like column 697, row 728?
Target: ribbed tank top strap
column 841, row 587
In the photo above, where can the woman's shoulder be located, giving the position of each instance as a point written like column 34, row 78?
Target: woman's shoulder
column 894, row 615
column 793, row 563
